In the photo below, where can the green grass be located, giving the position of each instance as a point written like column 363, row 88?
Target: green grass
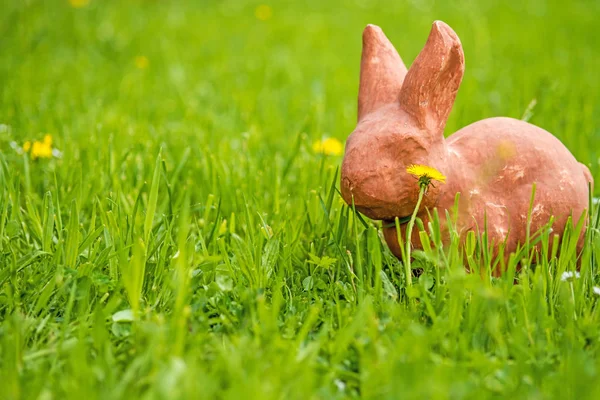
column 188, row 243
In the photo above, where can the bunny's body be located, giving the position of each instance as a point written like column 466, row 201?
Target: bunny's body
column 492, row 163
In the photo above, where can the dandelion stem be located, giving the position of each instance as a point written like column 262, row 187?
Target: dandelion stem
column 409, row 228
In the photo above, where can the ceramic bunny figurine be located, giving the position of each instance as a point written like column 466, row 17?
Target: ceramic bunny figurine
column 493, row 163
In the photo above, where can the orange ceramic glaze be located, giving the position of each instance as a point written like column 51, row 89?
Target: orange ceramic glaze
column 492, row 163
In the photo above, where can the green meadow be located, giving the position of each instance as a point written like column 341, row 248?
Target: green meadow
column 169, row 230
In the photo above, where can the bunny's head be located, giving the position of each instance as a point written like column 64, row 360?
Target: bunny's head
column 401, row 120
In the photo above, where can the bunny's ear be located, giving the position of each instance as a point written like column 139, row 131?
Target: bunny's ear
column 433, row 79
column 381, row 72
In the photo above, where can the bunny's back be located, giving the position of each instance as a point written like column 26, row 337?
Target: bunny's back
column 506, row 151
column 498, row 160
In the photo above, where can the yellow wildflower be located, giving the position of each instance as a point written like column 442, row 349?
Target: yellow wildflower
column 142, row 62
column 79, row 3
column 263, row 12
column 328, row 146
column 39, row 149
column 425, row 174
column 223, row 227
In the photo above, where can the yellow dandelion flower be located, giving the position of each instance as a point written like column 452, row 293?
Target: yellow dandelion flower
column 39, row 149
column 223, row 227
column 425, row 174
column 328, row 146
column 79, row 3
column 263, row 12
column 142, row 62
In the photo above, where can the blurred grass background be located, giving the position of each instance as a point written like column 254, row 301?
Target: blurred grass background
column 215, row 70
column 235, row 93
